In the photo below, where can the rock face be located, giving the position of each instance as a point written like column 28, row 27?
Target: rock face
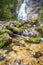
column 25, row 44
column 33, row 7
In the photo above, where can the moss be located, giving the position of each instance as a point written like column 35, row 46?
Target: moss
column 6, row 31
column 1, row 44
column 40, row 30
column 34, row 39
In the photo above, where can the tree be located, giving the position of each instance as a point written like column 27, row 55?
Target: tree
column 8, row 9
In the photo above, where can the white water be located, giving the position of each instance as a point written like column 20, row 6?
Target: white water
column 30, row 12
column 22, row 15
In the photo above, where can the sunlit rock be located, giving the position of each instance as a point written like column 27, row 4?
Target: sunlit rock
column 33, row 46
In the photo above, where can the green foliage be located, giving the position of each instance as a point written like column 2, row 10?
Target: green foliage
column 8, row 9
column 34, row 39
column 1, row 44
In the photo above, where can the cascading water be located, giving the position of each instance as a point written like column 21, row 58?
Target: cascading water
column 22, row 15
column 29, row 9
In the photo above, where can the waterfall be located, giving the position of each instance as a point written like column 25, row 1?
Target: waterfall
column 22, row 15
column 29, row 9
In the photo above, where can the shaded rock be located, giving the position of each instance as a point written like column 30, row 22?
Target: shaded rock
column 14, row 29
column 38, row 54
column 2, row 58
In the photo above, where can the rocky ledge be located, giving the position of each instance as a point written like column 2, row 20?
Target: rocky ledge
column 21, row 43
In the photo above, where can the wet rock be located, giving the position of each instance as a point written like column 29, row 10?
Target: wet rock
column 25, row 32
column 42, row 39
column 34, row 25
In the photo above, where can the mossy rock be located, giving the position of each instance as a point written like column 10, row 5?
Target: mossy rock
column 34, row 39
column 5, row 38
column 4, row 30
column 14, row 29
column 34, row 19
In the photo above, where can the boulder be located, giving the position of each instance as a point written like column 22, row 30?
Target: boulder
column 34, row 39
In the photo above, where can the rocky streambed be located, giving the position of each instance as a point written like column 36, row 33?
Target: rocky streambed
column 21, row 43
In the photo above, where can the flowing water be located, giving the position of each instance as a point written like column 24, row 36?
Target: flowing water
column 22, row 12
column 29, row 9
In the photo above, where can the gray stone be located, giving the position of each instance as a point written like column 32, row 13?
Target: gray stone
column 25, row 32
